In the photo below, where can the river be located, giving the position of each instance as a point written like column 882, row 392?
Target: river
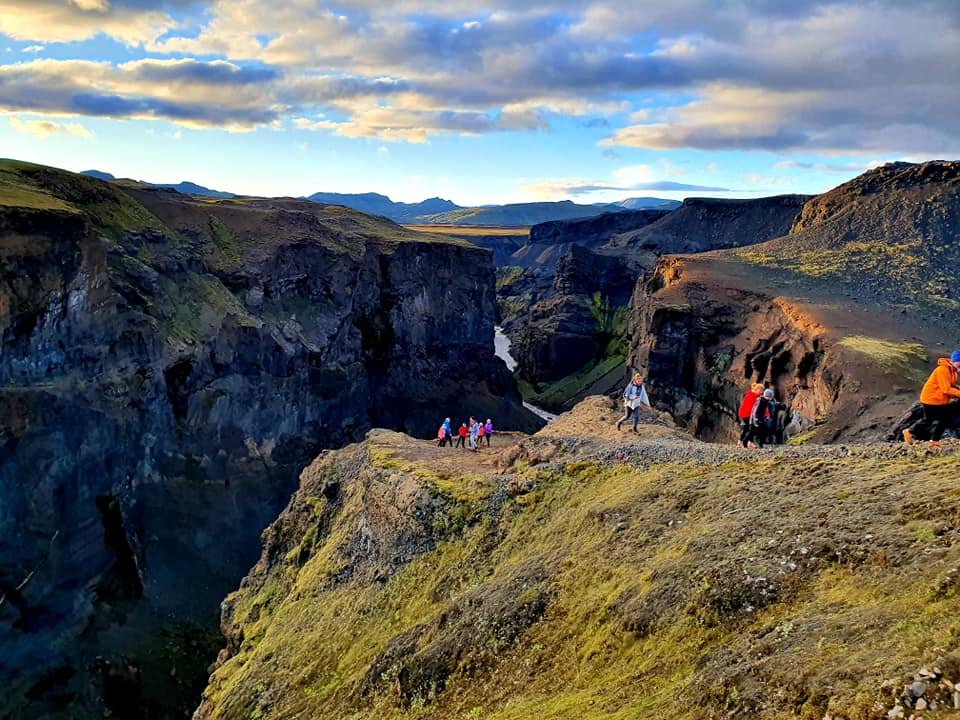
column 501, row 345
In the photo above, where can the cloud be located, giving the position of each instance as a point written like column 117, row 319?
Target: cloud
column 553, row 189
column 188, row 92
column 58, row 21
column 834, row 76
column 42, row 129
column 33, row 49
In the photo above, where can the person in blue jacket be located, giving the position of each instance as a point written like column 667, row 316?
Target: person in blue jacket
column 634, row 397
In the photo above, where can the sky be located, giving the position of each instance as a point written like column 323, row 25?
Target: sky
column 481, row 101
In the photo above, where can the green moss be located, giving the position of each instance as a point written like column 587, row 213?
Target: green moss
column 570, row 389
column 228, row 255
column 907, row 359
column 649, row 572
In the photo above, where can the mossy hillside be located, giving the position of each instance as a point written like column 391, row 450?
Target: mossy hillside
column 770, row 589
column 110, row 211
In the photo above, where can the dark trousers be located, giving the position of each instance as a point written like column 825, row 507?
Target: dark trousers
column 634, row 412
column 762, row 434
column 938, row 418
column 746, row 431
column 488, row 440
column 461, row 441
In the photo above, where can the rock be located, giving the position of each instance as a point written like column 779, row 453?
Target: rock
column 918, row 688
column 921, row 704
column 896, row 713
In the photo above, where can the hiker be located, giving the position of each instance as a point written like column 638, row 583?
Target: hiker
column 472, row 430
column 481, row 433
column 744, row 413
column 763, row 418
column 634, row 395
column 448, row 431
column 462, row 436
column 488, row 431
column 938, row 398
column 441, row 437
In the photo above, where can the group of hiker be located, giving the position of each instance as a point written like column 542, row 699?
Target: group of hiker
column 763, row 419
column 474, row 432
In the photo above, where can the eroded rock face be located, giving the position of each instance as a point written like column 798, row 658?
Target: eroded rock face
column 554, row 325
column 701, row 346
column 162, row 385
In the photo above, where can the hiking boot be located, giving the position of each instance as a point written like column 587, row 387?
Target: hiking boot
column 908, row 437
column 751, row 446
column 739, row 443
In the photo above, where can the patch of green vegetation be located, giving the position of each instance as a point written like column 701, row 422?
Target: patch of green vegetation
column 507, row 276
column 564, row 392
column 111, row 212
column 907, row 359
column 228, row 255
column 196, row 304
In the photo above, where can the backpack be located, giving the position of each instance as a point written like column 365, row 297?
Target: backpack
column 441, row 433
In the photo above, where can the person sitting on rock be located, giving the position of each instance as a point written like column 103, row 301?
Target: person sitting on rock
column 488, row 431
column 634, row 396
column 938, row 398
column 763, row 418
column 462, row 436
column 744, row 412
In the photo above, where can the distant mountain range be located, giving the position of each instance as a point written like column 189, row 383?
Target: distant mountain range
column 440, row 211
column 185, row 187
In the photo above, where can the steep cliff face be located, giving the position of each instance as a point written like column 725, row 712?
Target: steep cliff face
column 584, row 573
column 843, row 316
column 565, row 327
column 168, row 367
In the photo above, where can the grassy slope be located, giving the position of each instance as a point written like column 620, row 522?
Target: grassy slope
column 111, row 212
column 704, row 587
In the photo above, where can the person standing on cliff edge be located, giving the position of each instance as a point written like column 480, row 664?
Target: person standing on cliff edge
column 939, row 399
column 634, row 396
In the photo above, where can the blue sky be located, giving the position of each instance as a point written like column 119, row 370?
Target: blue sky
column 481, row 102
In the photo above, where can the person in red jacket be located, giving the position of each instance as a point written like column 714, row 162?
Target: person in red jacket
column 462, row 436
column 743, row 414
column 938, row 398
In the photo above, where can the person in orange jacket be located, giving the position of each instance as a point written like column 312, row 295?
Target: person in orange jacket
column 938, row 396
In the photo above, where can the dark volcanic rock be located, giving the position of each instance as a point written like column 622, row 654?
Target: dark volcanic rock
column 554, row 325
column 168, row 367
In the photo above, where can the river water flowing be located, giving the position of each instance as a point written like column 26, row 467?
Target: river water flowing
column 502, row 348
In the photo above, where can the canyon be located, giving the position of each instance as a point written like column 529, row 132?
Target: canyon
column 169, row 366
column 172, row 364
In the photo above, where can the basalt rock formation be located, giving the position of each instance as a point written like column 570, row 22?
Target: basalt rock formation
column 169, row 365
column 563, row 297
column 585, row 573
column 843, row 316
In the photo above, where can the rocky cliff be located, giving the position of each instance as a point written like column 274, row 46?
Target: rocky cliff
column 581, row 573
column 843, row 315
column 563, row 296
column 169, row 365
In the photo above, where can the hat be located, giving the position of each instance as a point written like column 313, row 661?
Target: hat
column 955, row 356
column 768, row 394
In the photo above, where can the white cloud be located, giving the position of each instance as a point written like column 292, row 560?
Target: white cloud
column 42, row 129
column 33, row 49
